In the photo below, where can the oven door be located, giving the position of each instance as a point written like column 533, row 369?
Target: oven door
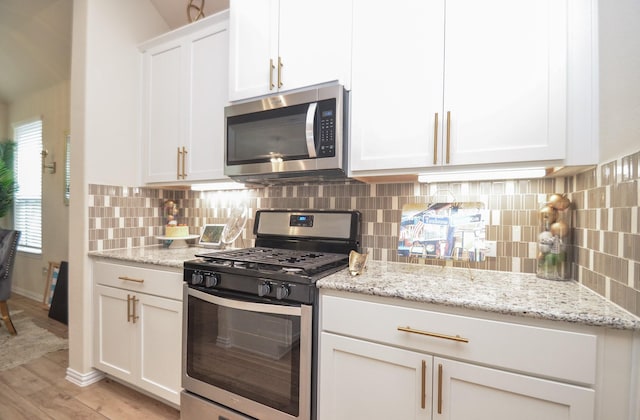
column 250, row 356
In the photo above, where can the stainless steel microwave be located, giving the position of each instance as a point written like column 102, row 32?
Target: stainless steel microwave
column 299, row 136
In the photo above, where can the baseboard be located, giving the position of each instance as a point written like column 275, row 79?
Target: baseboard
column 83, row 379
column 27, row 293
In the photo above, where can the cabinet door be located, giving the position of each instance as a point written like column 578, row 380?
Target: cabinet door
column 396, row 84
column 474, row 392
column 163, row 107
column 314, row 42
column 362, row 380
column 114, row 335
column 253, row 41
column 505, row 80
column 208, row 79
column 160, row 349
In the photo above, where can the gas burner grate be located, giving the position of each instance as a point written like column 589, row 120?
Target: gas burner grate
column 293, row 261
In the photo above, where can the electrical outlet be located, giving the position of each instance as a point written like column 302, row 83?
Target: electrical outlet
column 491, row 246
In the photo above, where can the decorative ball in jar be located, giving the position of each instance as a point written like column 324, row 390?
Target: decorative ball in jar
column 554, row 239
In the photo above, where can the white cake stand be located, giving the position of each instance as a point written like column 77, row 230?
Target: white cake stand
column 176, row 242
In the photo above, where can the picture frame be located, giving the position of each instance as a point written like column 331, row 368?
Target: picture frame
column 52, row 279
column 211, row 236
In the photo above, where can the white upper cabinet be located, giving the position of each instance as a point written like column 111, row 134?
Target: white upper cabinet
column 505, row 81
column 396, row 83
column 460, row 82
column 185, row 83
column 278, row 45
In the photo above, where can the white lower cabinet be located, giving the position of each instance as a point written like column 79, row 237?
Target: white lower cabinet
column 464, row 391
column 364, row 380
column 138, row 327
column 442, row 368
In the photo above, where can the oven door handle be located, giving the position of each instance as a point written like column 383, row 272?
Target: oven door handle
column 245, row 306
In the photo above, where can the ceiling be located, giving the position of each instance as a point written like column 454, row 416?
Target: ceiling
column 35, row 40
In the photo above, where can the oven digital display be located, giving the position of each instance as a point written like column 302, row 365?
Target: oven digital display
column 301, row 220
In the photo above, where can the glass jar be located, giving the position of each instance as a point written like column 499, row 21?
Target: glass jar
column 554, row 239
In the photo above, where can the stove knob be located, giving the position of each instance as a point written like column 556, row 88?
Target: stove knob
column 282, row 292
column 196, row 278
column 264, row 288
column 211, row 280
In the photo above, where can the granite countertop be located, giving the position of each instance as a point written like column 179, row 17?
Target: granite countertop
column 492, row 291
column 156, row 254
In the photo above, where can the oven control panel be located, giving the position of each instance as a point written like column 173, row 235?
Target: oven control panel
column 258, row 287
column 203, row 278
column 301, row 220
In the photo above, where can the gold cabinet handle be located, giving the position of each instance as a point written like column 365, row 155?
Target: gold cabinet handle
column 436, row 335
column 184, row 162
column 435, row 139
column 448, row 136
column 178, row 156
column 439, row 388
column 134, row 300
column 280, row 72
column 127, row 278
column 128, row 308
column 271, row 68
column 423, row 396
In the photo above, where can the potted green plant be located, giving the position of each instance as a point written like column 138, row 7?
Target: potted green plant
column 7, row 181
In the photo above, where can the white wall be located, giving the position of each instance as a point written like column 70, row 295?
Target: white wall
column 52, row 105
column 4, row 113
column 619, row 51
column 104, row 125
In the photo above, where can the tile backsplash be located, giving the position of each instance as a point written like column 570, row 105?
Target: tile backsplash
column 606, row 243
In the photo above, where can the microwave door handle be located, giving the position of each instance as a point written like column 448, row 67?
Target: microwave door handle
column 311, row 145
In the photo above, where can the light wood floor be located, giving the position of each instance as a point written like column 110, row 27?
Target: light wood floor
column 38, row 390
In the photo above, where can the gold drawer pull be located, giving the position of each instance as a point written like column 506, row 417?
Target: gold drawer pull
column 280, row 83
column 184, row 163
column 439, row 388
column 271, row 67
column 435, row 139
column 178, row 156
column 131, row 279
column 131, row 308
column 423, row 395
column 134, row 300
column 448, row 137
column 437, row 335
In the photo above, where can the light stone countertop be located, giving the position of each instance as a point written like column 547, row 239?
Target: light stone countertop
column 157, row 255
column 492, row 291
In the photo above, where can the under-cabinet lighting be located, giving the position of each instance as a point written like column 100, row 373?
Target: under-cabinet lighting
column 218, row 186
column 481, row 175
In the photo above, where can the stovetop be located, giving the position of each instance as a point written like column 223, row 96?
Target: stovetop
column 275, row 259
column 274, row 263
column 293, row 249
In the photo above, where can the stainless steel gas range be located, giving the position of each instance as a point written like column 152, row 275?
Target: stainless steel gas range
column 250, row 318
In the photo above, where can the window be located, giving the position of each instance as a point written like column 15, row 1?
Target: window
column 27, row 205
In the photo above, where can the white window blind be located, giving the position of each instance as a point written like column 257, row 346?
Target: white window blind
column 27, row 207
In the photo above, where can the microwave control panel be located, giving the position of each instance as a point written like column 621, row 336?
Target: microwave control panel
column 326, row 147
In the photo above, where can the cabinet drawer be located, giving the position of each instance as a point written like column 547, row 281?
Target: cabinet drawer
column 145, row 280
column 542, row 351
